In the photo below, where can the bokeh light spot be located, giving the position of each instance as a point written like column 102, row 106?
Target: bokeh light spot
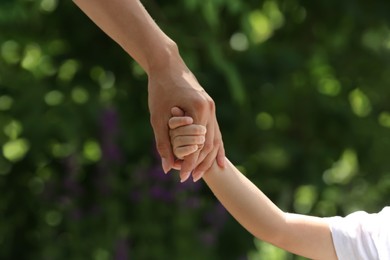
column 384, row 119
column 305, row 197
column 10, row 51
column 360, row 103
column 137, row 70
column 54, row 98
column 264, row 121
column 57, row 46
column 49, row 5
column 31, row 57
column 329, row 86
column 101, row 254
column 261, row 27
column 13, row 129
column 68, row 70
column 272, row 11
column 273, row 156
column 342, row 170
column 80, row 95
column 6, row 102
column 53, row 218
column 266, row 250
column 15, row 150
column 239, row 42
column 106, row 79
column 92, row 151
column 61, row 150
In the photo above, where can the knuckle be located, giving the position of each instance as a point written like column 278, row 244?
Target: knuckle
column 211, row 104
column 204, row 166
column 187, row 167
column 199, row 130
column 171, row 123
column 178, row 153
column 217, row 141
column 200, row 104
column 197, row 139
column 208, row 147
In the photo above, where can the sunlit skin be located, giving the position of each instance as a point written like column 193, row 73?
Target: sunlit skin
column 299, row 234
column 170, row 82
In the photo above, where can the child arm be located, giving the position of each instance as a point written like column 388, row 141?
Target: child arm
column 300, row 234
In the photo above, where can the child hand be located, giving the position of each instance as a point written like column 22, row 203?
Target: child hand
column 186, row 138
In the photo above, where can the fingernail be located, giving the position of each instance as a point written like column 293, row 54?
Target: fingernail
column 222, row 163
column 198, row 176
column 165, row 165
column 184, row 176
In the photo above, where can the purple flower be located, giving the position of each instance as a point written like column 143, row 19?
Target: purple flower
column 157, row 192
column 121, row 249
column 75, row 214
column 189, row 186
column 135, row 196
column 158, row 174
column 72, row 187
column 193, row 203
column 217, row 216
column 109, row 133
column 208, row 237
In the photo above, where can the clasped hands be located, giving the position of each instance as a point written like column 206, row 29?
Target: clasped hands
column 176, row 86
column 186, row 138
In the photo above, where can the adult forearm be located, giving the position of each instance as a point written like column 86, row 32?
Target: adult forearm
column 129, row 24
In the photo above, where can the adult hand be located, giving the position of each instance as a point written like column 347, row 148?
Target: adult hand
column 175, row 86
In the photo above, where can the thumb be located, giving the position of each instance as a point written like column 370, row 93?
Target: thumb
column 163, row 144
column 176, row 111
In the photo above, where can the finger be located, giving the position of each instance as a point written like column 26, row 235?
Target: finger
column 175, row 122
column 217, row 153
column 199, row 112
column 187, row 140
column 205, row 165
column 177, row 164
column 183, row 151
column 188, row 165
column 163, row 144
column 176, row 111
column 221, row 151
column 188, row 130
column 221, row 158
column 209, row 152
column 208, row 144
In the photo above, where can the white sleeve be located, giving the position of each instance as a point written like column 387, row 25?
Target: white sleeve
column 362, row 236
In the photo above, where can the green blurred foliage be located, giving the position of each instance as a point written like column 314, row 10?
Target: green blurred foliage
column 302, row 96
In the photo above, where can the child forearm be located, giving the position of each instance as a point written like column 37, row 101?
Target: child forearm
column 128, row 23
column 303, row 235
column 248, row 205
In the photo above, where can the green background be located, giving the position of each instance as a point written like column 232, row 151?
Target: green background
column 302, row 96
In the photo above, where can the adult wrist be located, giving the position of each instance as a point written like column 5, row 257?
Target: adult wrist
column 165, row 60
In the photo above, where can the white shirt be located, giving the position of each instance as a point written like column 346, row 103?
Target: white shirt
column 362, row 236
